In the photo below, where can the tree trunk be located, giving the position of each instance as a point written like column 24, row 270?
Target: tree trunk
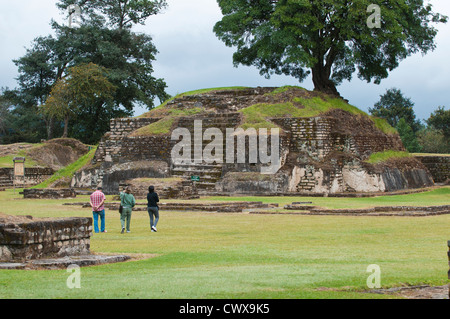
column 66, row 126
column 322, row 82
column 51, row 122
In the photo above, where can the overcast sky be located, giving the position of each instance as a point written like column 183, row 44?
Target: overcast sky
column 191, row 57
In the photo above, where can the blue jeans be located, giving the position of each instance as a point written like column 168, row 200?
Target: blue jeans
column 102, row 220
column 153, row 211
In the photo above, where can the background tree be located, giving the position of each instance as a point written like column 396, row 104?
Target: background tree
column 106, row 39
column 39, row 69
column 440, row 120
column 393, row 106
column 330, row 39
column 408, row 136
column 20, row 118
column 433, row 141
column 85, row 85
column 4, row 114
column 118, row 14
column 435, row 138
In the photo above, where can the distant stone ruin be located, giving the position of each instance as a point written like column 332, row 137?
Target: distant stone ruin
column 323, row 146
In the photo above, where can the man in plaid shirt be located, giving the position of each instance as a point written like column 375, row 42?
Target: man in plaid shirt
column 97, row 201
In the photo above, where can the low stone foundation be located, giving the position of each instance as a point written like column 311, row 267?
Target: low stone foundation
column 49, row 193
column 406, row 211
column 23, row 238
column 439, row 166
column 33, row 176
column 221, row 207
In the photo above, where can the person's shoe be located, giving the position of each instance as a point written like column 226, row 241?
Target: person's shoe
column 123, row 229
column 154, row 229
column 128, row 231
column 105, row 231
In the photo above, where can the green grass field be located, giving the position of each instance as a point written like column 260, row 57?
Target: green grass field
column 213, row 255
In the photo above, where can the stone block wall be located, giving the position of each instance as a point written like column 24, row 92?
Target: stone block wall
column 37, row 193
column 36, row 175
column 311, row 135
column 366, row 144
column 110, row 145
column 49, row 238
column 438, row 166
column 118, row 174
column 117, row 146
column 146, row 148
column 33, row 176
column 318, row 136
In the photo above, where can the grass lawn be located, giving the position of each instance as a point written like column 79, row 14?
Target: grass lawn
column 213, row 255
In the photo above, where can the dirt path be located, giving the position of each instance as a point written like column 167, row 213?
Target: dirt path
column 416, row 292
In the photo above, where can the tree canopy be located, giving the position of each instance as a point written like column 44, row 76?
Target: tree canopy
column 85, row 85
column 117, row 13
column 440, row 120
column 329, row 38
column 106, row 39
column 394, row 106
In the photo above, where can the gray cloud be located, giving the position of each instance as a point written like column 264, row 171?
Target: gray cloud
column 191, row 57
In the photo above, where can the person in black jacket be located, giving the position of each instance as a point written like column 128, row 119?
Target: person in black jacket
column 152, row 207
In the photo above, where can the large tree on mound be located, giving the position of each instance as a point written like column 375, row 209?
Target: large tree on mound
column 332, row 39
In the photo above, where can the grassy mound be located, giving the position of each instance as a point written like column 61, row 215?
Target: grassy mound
column 56, row 153
column 287, row 101
column 64, row 175
column 8, row 152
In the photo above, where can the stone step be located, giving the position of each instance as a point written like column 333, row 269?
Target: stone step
column 203, row 178
column 205, row 185
column 4, row 183
column 196, row 170
column 203, row 175
column 197, row 166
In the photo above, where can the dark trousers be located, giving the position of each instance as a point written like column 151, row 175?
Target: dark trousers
column 153, row 211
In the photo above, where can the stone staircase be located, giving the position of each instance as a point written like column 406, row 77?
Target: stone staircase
column 206, row 173
column 6, row 182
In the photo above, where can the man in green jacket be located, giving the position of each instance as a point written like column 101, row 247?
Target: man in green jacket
column 127, row 201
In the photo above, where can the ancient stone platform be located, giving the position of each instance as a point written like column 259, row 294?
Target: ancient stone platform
column 64, row 262
column 406, row 211
column 221, row 207
column 325, row 153
column 24, row 238
column 28, row 243
column 49, row 193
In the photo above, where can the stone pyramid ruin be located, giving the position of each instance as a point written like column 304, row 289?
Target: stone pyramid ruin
column 223, row 141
